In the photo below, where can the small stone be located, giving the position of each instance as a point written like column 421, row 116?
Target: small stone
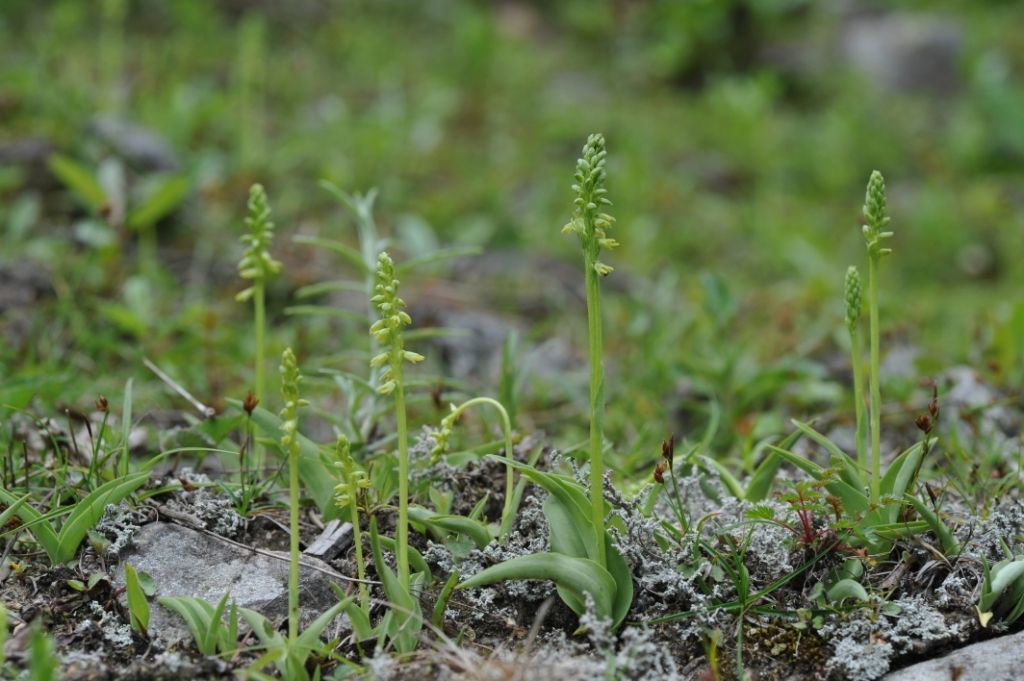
column 183, row 562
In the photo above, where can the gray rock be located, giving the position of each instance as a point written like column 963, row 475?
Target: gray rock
column 999, row 659
column 912, row 52
column 141, row 148
column 184, row 562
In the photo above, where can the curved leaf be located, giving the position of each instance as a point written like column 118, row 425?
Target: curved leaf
column 474, row 529
column 580, row 575
column 847, row 588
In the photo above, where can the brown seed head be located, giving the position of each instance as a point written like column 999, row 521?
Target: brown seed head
column 250, row 403
column 659, row 472
column 101, row 403
column 924, row 423
column 668, row 449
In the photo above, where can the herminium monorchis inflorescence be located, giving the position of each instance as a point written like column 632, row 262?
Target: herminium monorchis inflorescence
column 388, row 332
column 290, row 379
column 852, row 298
column 258, row 266
column 589, row 220
column 591, row 223
column 874, row 234
column 388, row 329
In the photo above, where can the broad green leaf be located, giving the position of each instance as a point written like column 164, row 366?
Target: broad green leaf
column 405, row 608
column 847, row 588
column 36, row 523
column 1003, row 575
column 436, row 256
column 581, row 575
column 950, row 546
column 437, row 617
column 309, row 638
column 728, row 479
column 138, row 607
column 761, row 481
column 197, row 614
column 854, row 501
column 848, row 467
column 900, row 482
column 90, row 510
column 81, row 181
column 344, row 250
column 416, row 561
column 473, row 529
column 166, row 195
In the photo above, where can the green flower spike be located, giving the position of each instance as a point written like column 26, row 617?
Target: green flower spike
column 588, row 219
column 591, row 224
column 290, row 379
column 388, row 332
column 258, row 266
column 875, row 216
column 852, row 297
column 874, row 234
column 256, row 263
column 388, row 329
column 346, row 494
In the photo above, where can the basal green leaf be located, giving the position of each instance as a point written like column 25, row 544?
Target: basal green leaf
column 580, row 575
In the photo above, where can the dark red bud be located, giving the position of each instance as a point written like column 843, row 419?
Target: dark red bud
column 924, row 423
column 668, row 449
column 250, row 403
column 101, row 403
column 659, row 472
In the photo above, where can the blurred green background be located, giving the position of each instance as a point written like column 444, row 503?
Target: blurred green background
column 741, row 134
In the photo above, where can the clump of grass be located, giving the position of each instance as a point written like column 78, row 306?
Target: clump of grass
column 290, row 379
column 875, row 221
column 590, row 223
column 388, row 332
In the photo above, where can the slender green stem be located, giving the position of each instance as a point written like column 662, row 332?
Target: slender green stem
column 876, row 392
column 260, row 321
column 861, row 436
column 507, row 512
column 293, row 527
column 403, row 476
column 596, row 406
column 259, row 316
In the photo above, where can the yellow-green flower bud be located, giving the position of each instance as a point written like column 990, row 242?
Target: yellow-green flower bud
column 852, row 297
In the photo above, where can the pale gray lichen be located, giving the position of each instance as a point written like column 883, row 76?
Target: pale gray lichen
column 118, row 634
column 119, row 524
column 866, row 641
column 208, row 506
